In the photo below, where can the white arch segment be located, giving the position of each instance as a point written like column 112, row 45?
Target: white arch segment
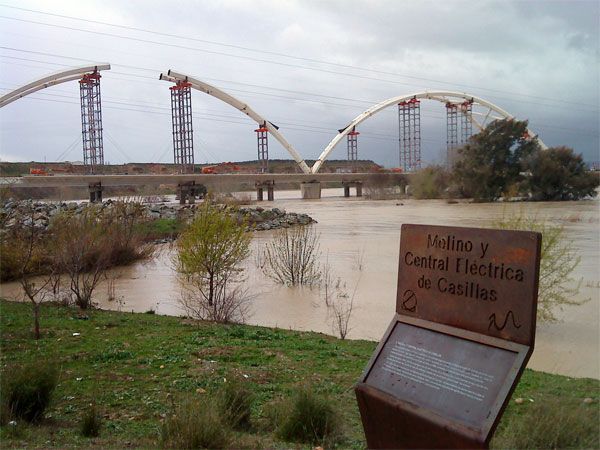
column 479, row 119
column 55, row 78
column 213, row 91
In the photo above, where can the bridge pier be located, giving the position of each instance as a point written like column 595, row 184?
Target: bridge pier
column 348, row 184
column 95, row 190
column 269, row 185
column 310, row 190
column 187, row 192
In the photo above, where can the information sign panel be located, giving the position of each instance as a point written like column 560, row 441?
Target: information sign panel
column 464, row 330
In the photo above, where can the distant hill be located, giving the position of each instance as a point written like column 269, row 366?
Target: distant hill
column 13, row 169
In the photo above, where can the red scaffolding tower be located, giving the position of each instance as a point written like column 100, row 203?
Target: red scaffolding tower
column 262, row 141
column 91, row 121
column 451, row 133
column 409, row 120
column 183, row 137
column 459, row 128
column 466, row 120
column 353, row 148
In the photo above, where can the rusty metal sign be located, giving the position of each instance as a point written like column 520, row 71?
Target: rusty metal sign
column 476, row 279
column 463, row 333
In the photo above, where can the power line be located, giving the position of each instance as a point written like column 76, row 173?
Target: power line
column 366, row 102
column 263, row 51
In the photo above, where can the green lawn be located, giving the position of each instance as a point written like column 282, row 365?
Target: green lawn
column 137, row 367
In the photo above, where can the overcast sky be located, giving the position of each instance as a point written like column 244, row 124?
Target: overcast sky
column 308, row 66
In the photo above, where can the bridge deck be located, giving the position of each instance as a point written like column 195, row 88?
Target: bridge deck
column 173, row 180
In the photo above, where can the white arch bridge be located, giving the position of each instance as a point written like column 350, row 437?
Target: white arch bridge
column 466, row 109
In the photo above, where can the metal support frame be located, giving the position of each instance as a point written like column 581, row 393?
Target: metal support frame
column 183, row 137
column 353, row 149
column 262, row 141
column 451, row 133
column 409, row 120
column 466, row 121
column 91, row 121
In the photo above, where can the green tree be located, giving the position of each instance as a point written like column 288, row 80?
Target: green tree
column 559, row 174
column 490, row 163
column 209, row 256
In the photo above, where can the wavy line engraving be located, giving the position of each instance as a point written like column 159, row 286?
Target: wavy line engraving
column 494, row 323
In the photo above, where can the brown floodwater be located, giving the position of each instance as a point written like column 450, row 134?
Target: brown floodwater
column 361, row 238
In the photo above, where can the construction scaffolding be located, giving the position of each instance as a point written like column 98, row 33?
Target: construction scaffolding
column 451, row 133
column 459, row 128
column 262, row 141
column 353, row 148
column 409, row 120
column 183, row 136
column 466, row 121
column 91, row 121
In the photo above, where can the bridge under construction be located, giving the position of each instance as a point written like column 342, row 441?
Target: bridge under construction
column 464, row 113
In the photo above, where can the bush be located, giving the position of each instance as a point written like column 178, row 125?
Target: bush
column 559, row 174
column 91, row 422
column 292, row 258
column 430, row 182
column 196, row 424
column 26, row 391
column 551, row 424
column 236, row 404
column 309, row 418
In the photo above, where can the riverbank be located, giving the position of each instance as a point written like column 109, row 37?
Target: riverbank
column 136, row 367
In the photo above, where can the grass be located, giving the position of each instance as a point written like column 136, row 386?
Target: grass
column 160, row 228
column 139, row 368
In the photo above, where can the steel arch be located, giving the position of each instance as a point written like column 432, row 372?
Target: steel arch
column 493, row 112
column 55, row 78
column 213, row 91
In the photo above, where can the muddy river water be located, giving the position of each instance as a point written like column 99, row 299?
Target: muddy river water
column 360, row 238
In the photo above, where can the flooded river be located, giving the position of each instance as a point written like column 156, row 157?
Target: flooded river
column 361, row 240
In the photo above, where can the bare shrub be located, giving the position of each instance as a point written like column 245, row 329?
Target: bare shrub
column 360, row 259
column 340, row 308
column 28, row 249
column 86, row 244
column 430, row 182
column 327, row 281
column 292, row 258
column 384, row 186
column 208, row 260
column 559, row 258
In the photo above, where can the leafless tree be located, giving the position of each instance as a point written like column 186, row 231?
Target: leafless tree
column 29, row 245
column 327, row 281
column 340, row 309
column 292, row 258
column 82, row 249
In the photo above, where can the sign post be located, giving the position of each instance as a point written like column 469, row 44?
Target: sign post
column 463, row 332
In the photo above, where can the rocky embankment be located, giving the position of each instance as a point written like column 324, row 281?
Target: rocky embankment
column 19, row 213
